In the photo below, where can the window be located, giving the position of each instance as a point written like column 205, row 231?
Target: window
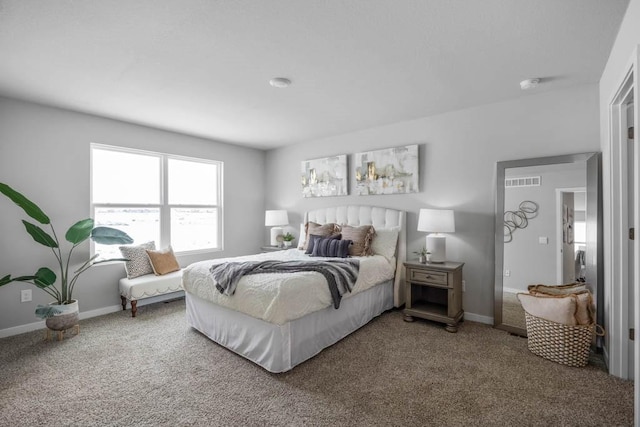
column 157, row 197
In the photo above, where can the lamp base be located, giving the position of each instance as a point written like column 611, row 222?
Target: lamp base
column 436, row 245
column 275, row 232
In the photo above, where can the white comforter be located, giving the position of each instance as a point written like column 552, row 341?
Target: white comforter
column 280, row 298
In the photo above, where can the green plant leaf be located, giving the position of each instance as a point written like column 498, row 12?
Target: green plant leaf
column 39, row 235
column 80, row 231
column 23, row 278
column 27, row 205
column 110, row 236
column 6, row 279
column 44, row 277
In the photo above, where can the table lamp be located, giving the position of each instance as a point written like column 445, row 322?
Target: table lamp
column 276, row 219
column 436, row 221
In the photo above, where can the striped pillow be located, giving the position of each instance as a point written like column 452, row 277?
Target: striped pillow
column 328, row 247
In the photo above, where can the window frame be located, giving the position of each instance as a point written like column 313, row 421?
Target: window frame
column 164, row 207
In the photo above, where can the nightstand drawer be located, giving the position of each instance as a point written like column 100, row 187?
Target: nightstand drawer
column 428, row 276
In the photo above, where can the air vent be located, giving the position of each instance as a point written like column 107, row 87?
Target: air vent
column 525, row 181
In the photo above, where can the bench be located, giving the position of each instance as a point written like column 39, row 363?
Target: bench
column 147, row 286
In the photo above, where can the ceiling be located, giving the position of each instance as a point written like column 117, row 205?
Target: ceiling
column 202, row 67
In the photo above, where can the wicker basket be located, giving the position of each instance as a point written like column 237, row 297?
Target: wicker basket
column 564, row 344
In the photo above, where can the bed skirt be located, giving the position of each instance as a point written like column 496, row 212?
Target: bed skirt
column 278, row 348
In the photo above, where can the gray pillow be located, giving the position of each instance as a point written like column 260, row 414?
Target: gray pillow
column 328, row 247
column 313, row 238
column 138, row 264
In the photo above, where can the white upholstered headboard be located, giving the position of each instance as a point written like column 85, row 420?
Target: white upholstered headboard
column 379, row 218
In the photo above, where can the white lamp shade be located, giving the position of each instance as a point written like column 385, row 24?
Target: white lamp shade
column 436, row 220
column 275, row 218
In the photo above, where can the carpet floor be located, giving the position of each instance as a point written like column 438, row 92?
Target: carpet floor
column 156, row 371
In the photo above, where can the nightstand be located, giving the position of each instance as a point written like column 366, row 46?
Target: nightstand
column 434, row 292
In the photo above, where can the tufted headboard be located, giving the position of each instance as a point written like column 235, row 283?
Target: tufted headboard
column 379, row 218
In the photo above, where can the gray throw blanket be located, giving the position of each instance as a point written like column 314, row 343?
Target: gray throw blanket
column 341, row 275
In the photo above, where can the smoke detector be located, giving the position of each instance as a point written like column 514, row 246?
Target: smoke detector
column 280, row 82
column 529, row 84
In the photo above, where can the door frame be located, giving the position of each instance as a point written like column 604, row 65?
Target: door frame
column 617, row 346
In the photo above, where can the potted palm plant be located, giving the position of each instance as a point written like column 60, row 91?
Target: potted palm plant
column 288, row 239
column 423, row 255
column 62, row 313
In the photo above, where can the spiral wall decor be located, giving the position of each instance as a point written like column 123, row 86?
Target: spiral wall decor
column 514, row 220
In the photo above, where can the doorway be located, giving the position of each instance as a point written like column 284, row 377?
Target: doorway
column 621, row 351
column 571, row 235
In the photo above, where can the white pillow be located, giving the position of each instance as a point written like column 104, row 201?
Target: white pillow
column 385, row 241
column 303, row 237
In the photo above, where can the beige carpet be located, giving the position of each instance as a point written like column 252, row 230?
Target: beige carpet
column 155, row 371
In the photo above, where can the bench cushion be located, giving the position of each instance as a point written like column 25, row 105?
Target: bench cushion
column 150, row 285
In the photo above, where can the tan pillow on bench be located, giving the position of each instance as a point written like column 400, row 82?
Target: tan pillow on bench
column 163, row 261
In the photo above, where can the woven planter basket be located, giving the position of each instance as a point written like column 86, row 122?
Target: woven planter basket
column 564, row 344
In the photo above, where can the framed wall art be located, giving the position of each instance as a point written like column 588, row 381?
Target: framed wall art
column 388, row 171
column 325, row 177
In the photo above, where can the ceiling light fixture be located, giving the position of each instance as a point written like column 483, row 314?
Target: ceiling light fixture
column 529, row 84
column 280, row 82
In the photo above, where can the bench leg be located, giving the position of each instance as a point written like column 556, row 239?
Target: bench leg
column 134, row 308
column 124, row 303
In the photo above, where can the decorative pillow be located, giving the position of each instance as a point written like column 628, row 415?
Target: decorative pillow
column 559, row 310
column 330, row 247
column 361, row 237
column 384, row 242
column 163, row 261
column 585, row 311
column 323, row 230
column 313, row 239
column 302, row 241
column 138, row 264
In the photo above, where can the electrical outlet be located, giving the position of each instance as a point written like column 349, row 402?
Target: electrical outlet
column 464, row 286
column 25, row 295
column 507, row 273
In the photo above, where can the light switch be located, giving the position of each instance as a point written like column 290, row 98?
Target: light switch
column 543, row 240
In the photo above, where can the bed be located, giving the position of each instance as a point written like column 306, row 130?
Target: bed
column 280, row 320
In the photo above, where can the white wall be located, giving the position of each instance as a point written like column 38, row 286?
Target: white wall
column 44, row 153
column 528, row 261
column 458, row 155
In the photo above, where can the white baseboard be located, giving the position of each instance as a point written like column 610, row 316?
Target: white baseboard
column 478, row 318
column 514, row 290
column 29, row 327
column 16, row 330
